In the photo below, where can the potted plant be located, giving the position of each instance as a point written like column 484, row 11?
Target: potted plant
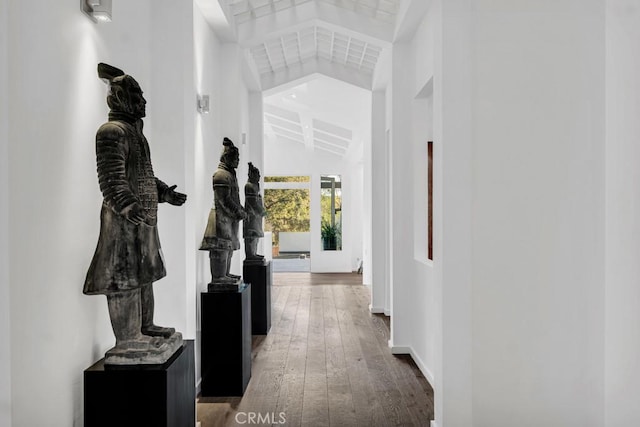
column 329, row 233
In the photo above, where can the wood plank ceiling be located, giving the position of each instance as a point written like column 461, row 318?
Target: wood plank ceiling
column 315, row 41
column 308, row 42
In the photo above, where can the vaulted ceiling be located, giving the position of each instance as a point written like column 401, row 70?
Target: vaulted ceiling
column 287, row 41
column 315, row 42
column 244, row 10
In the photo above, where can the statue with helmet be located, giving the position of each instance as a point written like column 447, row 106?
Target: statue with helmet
column 221, row 234
column 254, row 207
column 128, row 257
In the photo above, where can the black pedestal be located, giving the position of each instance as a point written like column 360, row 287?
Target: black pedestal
column 143, row 395
column 226, row 342
column 259, row 275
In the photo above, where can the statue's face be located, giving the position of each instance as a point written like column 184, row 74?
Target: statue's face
column 234, row 159
column 254, row 175
column 126, row 96
column 138, row 103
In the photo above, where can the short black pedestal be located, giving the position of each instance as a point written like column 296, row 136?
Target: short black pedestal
column 143, row 395
column 226, row 342
column 259, row 275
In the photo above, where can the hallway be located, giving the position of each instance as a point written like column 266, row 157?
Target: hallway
column 325, row 362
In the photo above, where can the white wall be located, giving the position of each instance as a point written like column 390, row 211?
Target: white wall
column 402, row 194
column 538, row 213
column 413, row 314
column 518, row 131
column 424, row 45
column 56, row 330
column 57, row 104
column 380, row 204
column 234, row 110
column 292, row 241
column 368, row 208
column 519, row 214
column 256, row 130
column 171, row 116
column 452, row 217
column 416, row 331
column 358, row 215
column 208, row 135
column 5, row 304
column 218, row 73
column 256, row 150
column 389, row 211
column 209, row 79
column 622, row 352
column 419, row 181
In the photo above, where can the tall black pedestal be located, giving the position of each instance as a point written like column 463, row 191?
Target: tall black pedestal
column 143, row 395
column 226, row 342
column 259, row 275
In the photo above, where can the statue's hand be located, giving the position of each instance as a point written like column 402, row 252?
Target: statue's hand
column 134, row 214
column 173, row 197
column 242, row 214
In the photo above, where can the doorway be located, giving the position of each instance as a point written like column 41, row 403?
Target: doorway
column 320, row 128
column 287, row 201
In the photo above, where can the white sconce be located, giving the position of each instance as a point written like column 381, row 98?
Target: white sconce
column 203, row 104
column 97, row 10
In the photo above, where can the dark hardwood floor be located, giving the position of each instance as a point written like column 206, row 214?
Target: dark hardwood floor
column 325, row 362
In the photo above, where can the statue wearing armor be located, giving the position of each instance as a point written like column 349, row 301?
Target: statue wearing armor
column 221, row 235
column 253, row 206
column 128, row 257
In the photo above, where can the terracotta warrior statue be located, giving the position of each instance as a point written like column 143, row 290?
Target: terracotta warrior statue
column 253, row 206
column 128, row 258
column 221, row 235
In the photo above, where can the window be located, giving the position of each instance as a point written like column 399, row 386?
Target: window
column 331, row 212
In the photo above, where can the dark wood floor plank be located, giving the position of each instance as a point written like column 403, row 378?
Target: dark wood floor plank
column 291, row 394
column 315, row 408
column 383, row 378
column 315, row 279
column 326, row 362
column 341, row 409
column 269, row 354
column 367, row 406
column 398, row 367
column 415, row 389
column 265, row 348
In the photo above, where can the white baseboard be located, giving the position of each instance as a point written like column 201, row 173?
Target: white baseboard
column 433, row 423
column 399, row 349
column 375, row 310
column 379, row 310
